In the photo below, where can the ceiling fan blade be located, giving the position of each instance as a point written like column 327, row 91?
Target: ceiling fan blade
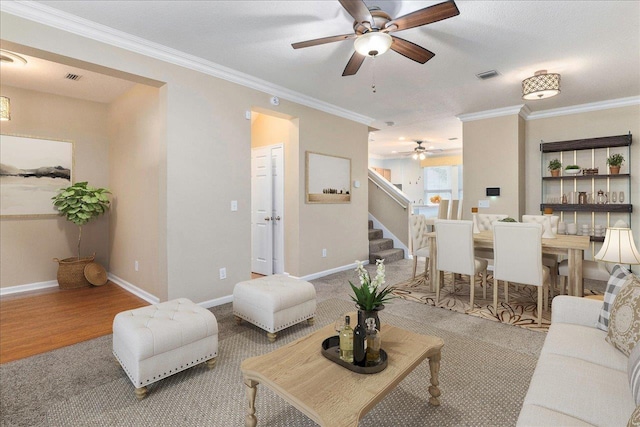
column 358, row 10
column 323, row 40
column 354, row 64
column 411, row 50
column 425, row 16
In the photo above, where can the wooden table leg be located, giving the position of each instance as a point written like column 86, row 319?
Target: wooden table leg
column 575, row 272
column 250, row 419
column 433, row 258
column 434, row 366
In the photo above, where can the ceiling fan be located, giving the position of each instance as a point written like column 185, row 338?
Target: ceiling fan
column 421, row 152
column 372, row 27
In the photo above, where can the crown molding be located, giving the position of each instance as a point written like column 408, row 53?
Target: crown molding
column 488, row 114
column 55, row 18
column 584, row 108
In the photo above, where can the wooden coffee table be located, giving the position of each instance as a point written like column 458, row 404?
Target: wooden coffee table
column 328, row 393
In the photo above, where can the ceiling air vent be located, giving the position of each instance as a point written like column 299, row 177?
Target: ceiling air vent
column 487, row 75
column 73, row 77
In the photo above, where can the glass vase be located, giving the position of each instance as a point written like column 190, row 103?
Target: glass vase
column 363, row 315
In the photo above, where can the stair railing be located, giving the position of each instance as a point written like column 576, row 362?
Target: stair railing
column 390, row 207
column 389, row 189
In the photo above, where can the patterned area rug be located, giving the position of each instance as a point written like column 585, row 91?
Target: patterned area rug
column 521, row 310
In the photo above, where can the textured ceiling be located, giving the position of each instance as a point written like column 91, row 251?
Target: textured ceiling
column 594, row 45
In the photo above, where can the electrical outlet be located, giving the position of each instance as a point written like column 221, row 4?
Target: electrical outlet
column 136, row 266
column 324, row 253
column 234, row 205
column 483, row 203
column 223, row 273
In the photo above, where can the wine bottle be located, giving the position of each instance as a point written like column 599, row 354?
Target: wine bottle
column 373, row 343
column 359, row 345
column 346, row 342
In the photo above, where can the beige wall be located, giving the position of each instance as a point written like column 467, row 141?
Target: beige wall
column 134, row 162
column 29, row 245
column 492, row 157
column 614, row 121
column 208, row 142
column 386, row 210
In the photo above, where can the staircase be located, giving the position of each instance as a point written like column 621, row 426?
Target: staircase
column 381, row 248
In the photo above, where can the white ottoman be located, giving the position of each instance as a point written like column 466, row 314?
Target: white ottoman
column 159, row 340
column 274, row 303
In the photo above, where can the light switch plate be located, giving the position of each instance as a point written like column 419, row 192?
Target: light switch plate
column 234, row 205
column 483, row 203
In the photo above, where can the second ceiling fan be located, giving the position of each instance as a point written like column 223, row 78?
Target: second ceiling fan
column 372, row 27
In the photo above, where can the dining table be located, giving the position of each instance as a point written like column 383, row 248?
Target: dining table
column 571, row 246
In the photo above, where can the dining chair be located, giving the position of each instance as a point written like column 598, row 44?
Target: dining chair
column 548, row 260
column 419, row 242
column 517, row 249
column 484, row 223
column 454, row 245
column 454, row 212
column 443, row 209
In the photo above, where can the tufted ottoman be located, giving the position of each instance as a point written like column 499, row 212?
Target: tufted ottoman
column 274, row 303
column 159, row 340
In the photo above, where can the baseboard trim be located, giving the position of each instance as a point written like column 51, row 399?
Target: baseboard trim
column 330, row 271
column 397, row 243
column 28, row 287
column 216, row 301
column 150, row 298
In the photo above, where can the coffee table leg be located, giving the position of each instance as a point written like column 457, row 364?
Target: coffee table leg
column 434, row 366
column 250, row 419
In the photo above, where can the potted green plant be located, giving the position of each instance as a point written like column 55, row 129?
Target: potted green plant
column 554, row 167
column 572, row 169
column 615, row 161
column 370, row 296
column 80, row 204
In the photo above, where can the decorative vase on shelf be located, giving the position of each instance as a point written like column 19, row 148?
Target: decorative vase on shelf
column 547, row 229
column 363, row 315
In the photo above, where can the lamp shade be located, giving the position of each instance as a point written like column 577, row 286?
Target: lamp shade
column 540, row 86
column 619, row 247
column 373, row 43
column 5, row 109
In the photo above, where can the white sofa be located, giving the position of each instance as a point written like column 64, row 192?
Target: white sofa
column 580, row 379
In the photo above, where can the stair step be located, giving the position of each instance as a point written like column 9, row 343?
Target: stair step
column 378, row 245
column 370, row 224
column 388, row 255
column 375, row 234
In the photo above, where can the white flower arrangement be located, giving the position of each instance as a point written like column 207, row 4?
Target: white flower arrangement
column 370, row 295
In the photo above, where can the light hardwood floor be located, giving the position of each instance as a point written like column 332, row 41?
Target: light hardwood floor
column 45, row 320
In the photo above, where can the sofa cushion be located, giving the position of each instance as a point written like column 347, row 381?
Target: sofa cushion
column 633, row 370
column 618, row 278
column 539, row 416
column 580, row 390
column 624, row 319
column 585, row 343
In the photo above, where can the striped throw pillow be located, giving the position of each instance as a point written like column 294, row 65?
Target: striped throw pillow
column 618, row 278
column 633, row 369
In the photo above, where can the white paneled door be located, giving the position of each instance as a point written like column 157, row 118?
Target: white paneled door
column 267, row 206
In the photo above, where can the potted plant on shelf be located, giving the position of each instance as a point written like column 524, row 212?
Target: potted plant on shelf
column 572, row 169
column 615, row 161
column 79, row 203
column 554, row 167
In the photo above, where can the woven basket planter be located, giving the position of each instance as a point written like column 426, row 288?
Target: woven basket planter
column 71, row 272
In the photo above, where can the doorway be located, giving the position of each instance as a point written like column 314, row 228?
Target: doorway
column 267, row 209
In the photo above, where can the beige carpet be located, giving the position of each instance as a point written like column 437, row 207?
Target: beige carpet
column 521, row 310
column 80, row 385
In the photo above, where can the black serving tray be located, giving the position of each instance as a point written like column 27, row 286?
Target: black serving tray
column 331, row 350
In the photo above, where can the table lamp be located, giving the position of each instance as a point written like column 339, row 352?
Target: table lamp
column 619, row 247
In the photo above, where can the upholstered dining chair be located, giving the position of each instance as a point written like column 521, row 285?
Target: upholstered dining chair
column 517, row 250
column 548, row 260
column 484, row 223
column 454, row 212
column 443, row 209
column 454, row 243
column 419, row 242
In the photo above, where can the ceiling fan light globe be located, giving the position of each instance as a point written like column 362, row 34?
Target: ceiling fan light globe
column 415, row 156
column 421, row 156
column 373, row 43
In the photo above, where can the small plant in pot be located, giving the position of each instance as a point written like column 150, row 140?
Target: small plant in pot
column 615, row 161
column 80, row 204
column 554, row 167
column 572, row 169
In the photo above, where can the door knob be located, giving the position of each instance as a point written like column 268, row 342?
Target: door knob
column 278, row 218
column 267, row 218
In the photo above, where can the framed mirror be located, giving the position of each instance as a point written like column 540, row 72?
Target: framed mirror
column 328, row 178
